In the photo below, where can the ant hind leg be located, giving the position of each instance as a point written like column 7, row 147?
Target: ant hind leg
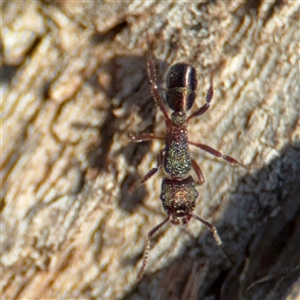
column 142, row 137
column 153, row 81
column 205, row 107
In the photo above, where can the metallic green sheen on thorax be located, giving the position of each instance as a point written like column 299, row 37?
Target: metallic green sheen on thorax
column 177, row 160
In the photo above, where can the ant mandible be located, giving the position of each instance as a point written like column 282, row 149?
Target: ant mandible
column 178, row 192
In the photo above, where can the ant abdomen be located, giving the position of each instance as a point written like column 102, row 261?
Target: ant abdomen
column 181, row 85
column 182, row 75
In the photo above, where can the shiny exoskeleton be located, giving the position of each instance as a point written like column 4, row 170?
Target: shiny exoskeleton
column 178, row 191
column 180, row 96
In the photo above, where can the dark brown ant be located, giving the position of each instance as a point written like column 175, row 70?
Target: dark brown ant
column 178, row 192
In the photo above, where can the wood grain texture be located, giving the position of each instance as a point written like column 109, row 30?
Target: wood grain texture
column 74, row 83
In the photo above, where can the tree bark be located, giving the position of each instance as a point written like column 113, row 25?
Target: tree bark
column 74, row 84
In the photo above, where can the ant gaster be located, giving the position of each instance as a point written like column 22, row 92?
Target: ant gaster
column 178, row 191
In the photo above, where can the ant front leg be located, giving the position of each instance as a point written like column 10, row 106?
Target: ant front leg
column 205, row 107
column 147, row 247
column 159, row 161
column 216, row 236
column 217, row 153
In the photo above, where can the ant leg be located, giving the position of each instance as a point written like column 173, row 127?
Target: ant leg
column 153, row 81
column 159, row 160
column 142, row 137
column 147, row 247
column 198, row 172
column 217, row 153
column 216, row 236
column 205, row 107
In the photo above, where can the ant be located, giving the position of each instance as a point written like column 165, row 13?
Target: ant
column 178, row 192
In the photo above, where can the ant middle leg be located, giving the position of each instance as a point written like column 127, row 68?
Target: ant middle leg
column 198, row 172
column 205, row 107
column 217, row 153
column 150, row 173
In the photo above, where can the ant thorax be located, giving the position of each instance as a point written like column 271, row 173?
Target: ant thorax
column 177, row 160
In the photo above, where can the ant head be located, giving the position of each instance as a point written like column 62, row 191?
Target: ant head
column 178, row 118
column 178, row 199
column 180, row 218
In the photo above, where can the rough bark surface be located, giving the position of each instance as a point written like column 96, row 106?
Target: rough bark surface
column 74, row 83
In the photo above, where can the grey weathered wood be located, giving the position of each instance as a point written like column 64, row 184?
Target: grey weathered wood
column 74, row 83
